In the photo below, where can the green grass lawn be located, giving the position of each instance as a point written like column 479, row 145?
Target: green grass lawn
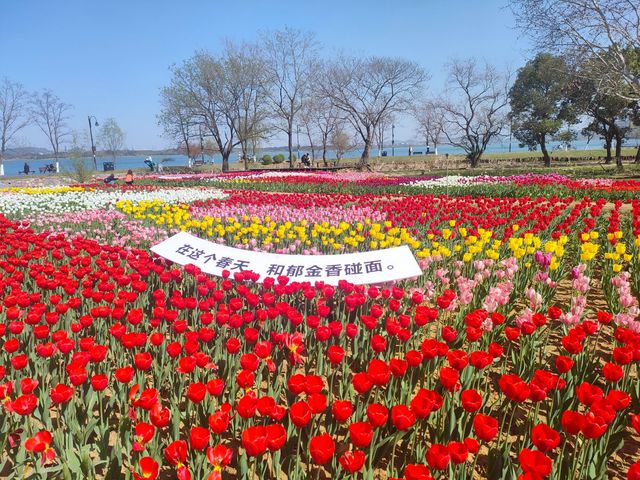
column 559, row 154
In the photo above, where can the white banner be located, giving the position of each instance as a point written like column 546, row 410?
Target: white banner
column 376, row 266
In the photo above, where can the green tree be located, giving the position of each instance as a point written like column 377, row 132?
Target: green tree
column 538, row 102
column 609, row 112
column 608, row 120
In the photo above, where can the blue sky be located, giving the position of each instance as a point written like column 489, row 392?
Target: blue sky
column 110, row 58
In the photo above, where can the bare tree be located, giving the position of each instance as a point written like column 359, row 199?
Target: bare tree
column 14, row 114
column 200, row 82
column 605, row 30
column 367, row 90
column 224, row 95
column 291, row 62
column 176, row 120
column 245, row 82
column 342, row 140
column 324, row 115
column 309, row 115
column 475, row 110
column 111, row 137
column 51, row 115
column 380, row 132
column 431, row 122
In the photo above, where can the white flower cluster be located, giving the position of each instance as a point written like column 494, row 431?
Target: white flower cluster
column 450, row 181
column 265, row 174
column 21, row 204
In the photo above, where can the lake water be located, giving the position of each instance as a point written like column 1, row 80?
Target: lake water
column 13, row 167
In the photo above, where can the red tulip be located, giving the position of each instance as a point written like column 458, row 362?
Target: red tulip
column 28, row 385
column 471, row 400
column 199, row 438
column 40, row 443
column 398, row 366
column 255, row 440
column 362, row 383
column 160, row 416
column 352, row 460
column 144, row 434
column 342, row 410
column 514, row 387
column 219, row 421
column 449, row 378
column 402, row 417
column 276, row 437
column 535, row 463
column 24, row 404
column 563, row 363
column 176, row 453
column 424, row 402
column 588, row 393
column 458, row 452
column 61, row 393
column 438, row 456
column 360, row 434
column 417, row 472
column 485, row 427
column 457, row 359
column 219, row 456
column 300, row 414
column 378, row 343
column 196, row 392
column 247, row 405
column 124, row 374
column 143, row 361
column 296, row 384
column 544, row 437
column 99, row 382
column 149, row 468
column 335, row 354
column 612, row 372
column 321, row 448
column 378, row 372
column 377, row 414
column 572, row 422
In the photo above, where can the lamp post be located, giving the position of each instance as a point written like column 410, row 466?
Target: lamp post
column 393, row 140
column 201, row 145
column 298, row 140
column 93, row 146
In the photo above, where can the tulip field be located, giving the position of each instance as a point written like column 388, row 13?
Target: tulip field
column 513, row 356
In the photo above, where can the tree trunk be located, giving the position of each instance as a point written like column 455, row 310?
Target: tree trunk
column 290, row 135
column 474, row 158
column 245, row 155
column 545, row 152
column 313, row 150
column 607, row 147
column 637, row 160
column 619, row 150
column 325, row 138
column 225, row 161
column 364, row 159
